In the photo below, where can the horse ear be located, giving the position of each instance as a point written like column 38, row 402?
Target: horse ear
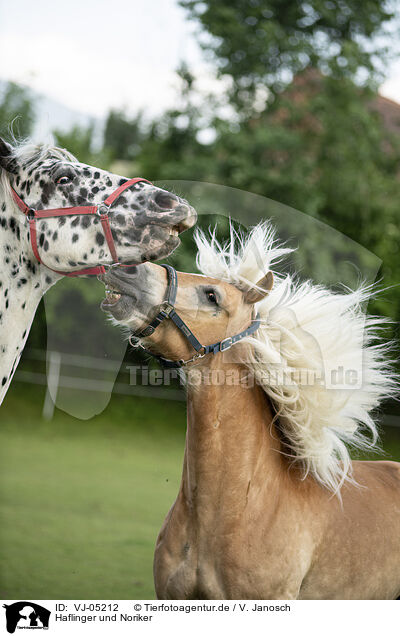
column 6, row 161
column 264, row 286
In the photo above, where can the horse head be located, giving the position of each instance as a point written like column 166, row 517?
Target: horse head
column 144, row 220
column 208, row 315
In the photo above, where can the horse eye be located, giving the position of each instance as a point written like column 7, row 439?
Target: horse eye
column 63, row 180
column 211, row 297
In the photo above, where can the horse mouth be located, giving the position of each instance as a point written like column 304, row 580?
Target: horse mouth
column 185, row 224
column 117, row 299
column 186, row 221
column 162, row 248
column 173, row 240
column 112, row 298
column 165, row 239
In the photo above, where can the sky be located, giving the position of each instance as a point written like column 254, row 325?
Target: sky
column 94, row 54
column 91, row 55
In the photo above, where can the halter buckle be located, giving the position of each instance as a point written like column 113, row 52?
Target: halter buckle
column 166, row 308
column 147, row 331
column 30, row 214
column 100, row 207
column 225, row 344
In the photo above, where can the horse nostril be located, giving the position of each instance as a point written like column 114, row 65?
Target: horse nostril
column 166, row 200
column 130, row 269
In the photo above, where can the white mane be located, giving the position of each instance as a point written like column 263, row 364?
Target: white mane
column 308, row 333
column 33, row 154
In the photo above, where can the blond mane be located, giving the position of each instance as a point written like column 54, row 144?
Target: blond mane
column 308, row 334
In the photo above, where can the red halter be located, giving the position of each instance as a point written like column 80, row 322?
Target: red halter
column 101, row 210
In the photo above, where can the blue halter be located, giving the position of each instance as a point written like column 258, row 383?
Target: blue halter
column 167, row 310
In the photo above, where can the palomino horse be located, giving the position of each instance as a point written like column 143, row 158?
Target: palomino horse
column 112, row 219
column 270, row 506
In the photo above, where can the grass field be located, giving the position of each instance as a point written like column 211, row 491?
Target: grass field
column 81, row 502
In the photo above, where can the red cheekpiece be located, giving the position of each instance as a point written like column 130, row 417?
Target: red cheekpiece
column 32, row 215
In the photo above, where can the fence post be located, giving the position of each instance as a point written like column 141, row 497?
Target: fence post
column 53, row 377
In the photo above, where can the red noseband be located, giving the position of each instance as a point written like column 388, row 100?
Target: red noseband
column 101, row 210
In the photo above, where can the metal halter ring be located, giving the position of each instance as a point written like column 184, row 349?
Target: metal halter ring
column 100, row 207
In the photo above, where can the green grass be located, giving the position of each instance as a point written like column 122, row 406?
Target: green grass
column 81, row 502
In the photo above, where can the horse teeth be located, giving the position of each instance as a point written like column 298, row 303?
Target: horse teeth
column 112, row 295
column 173, row 232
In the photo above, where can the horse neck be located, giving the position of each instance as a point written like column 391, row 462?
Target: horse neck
column 231, row 442
column 21, row 287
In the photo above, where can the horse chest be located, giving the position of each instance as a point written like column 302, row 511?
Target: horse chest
column 189, row 580
column 193, row 565
column 181, row 573
column 213, row 577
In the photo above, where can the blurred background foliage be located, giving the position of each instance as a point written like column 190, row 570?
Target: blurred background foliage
column 301, row 121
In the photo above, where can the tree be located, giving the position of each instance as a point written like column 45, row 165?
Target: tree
column 170, row 147
column 316, row 142
column 123, row 136
column 268, row 42
column 17, row 110
column 79, row 140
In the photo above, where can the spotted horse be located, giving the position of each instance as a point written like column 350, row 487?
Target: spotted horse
column 140, row 223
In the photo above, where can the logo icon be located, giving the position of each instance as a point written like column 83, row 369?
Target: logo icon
column 26, row 615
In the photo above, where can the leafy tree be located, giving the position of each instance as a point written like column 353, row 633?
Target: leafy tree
column 170, row 147
column 271, row 41
column 122, row 136
column 316, row 140
column 80, row 141
column 17, row 110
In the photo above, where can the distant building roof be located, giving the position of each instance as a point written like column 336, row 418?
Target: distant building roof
column 389, row 111
column 308, row 83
